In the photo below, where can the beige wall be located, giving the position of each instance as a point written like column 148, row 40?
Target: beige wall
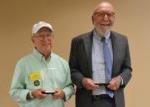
column 69, row 18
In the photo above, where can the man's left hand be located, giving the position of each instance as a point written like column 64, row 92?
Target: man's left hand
column 59, row 94
column 114, row 84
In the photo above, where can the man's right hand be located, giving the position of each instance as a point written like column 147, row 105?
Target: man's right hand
column 89, row 84
column 38, row 93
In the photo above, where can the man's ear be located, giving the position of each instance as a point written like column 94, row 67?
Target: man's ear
column 32, row 39
column 92, row 19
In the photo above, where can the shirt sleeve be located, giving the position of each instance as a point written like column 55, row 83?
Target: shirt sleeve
column 68, row 89
column 18, row 89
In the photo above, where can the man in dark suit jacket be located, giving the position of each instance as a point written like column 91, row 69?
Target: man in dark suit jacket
column 88, row 65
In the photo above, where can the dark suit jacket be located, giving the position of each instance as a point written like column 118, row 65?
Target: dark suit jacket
column 81, row 65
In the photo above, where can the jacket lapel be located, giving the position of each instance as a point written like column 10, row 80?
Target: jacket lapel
column 115, row 51
column 88, row 41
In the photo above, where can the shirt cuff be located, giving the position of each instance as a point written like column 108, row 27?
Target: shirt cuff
column 121, row 80
column 68, row 91
column 30, row 96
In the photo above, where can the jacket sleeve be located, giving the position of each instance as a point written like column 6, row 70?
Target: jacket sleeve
column 126, row 67
column 76, row 75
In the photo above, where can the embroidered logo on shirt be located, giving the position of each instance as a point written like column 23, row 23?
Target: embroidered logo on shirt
column 36, row 83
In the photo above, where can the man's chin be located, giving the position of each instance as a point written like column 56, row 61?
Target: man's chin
column 105, row 28
column 102, row 31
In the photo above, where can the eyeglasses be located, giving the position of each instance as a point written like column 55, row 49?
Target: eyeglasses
column 43, row 36
column 102, row 14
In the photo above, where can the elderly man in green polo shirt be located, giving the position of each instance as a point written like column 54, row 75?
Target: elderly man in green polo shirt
column 42, row 78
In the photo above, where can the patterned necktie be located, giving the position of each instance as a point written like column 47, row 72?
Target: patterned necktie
column 107, row 59
column 108, row 63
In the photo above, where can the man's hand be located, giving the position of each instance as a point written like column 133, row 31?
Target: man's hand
column 37, row 93
column 59, row 94
column 114, row 84
column 89, row 84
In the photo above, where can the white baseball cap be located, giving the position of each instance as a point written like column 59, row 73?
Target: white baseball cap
column 37, row 26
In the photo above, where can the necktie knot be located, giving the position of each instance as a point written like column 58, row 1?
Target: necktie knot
column 104, row 40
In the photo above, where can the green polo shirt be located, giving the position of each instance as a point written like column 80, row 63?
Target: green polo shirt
column 33, row 72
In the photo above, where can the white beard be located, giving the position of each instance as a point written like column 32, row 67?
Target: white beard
column 100, row 32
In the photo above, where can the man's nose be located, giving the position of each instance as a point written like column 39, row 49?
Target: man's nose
column 44, row 38
column 105, row 17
